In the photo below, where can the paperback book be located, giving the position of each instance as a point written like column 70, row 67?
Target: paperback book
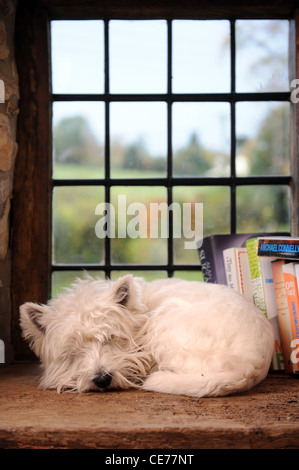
column 291, row 285
column 279, row 247
column 283, row 314
column 263, row 268
column 237, row 271
column 264, row 296
column 211, row 254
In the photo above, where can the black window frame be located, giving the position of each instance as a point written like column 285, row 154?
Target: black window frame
column 169, row 182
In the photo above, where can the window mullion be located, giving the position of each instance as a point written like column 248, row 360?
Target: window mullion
column 233, row 212
column 169, row 149
column 107, row 145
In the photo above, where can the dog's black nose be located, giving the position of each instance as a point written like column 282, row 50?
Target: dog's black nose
column 102, row 380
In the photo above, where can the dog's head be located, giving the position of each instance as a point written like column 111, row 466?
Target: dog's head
column 89, row 337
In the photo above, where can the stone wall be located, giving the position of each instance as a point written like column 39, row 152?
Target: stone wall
column 8, row 150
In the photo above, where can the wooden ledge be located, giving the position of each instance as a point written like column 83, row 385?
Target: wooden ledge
column 265, row 417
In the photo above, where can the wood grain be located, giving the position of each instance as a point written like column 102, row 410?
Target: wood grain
column 32, row 180
column 265, row 417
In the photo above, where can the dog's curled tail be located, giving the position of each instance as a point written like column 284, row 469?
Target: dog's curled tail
column 202, row 385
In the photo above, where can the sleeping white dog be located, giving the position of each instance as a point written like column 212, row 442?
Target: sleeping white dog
column 171, row 336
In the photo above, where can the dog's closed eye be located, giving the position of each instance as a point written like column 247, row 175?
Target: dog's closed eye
column 107, row 340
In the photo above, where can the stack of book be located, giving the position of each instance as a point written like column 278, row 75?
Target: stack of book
column 265, row 269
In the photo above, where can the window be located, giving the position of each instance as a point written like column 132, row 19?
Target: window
column 246, row 191
column 172, row 112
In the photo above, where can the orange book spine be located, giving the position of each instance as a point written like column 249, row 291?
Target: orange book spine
column 283, row 314
column 292, row 296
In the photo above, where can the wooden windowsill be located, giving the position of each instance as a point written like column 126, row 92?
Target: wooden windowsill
column 265, row 417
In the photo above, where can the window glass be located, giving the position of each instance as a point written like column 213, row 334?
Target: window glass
column 138, row 140
column 140, row 238
column 77, row 56
column 262, row 55
column 64, row 279
column 263, row 209
column 134, row 122
column 201, row 139
column 263, row 136
column 74, row 221
column 78, row 139
column 201, row 58
column 138, row 56
column 147, row 275
column 216, row 205
column 189, row 275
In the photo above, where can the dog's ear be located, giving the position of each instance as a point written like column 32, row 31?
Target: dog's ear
column 122, row 290
column 32, row 324
column 127, row 293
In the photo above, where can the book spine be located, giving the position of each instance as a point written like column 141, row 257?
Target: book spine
column 259, row 298
column 292, row 296
column 291, row 286
column 231, row 270
column 283, row 314
column 279, row 248
column 207, row 266
column 256, row 275
column 295, row 342
column 244, row 274
column 271, row 309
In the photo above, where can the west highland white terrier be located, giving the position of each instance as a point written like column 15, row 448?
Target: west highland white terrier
column 172, row 336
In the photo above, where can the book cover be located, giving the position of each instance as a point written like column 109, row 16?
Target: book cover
column 211, row 254
column 295, row 342
column 244, row 274
column 283, row 314
column 292, row 296
column 279, row 247
column 230, row 257
column 297, row 273
column 264, row 297
column 237, row 270
column 271, row 311
column 256, row 275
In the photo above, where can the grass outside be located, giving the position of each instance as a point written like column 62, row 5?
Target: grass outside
column 74, row 221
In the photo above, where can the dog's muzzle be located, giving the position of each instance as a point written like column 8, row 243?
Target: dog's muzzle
column 103, row 380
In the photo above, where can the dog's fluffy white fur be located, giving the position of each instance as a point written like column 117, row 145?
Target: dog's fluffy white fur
column 171, row 336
